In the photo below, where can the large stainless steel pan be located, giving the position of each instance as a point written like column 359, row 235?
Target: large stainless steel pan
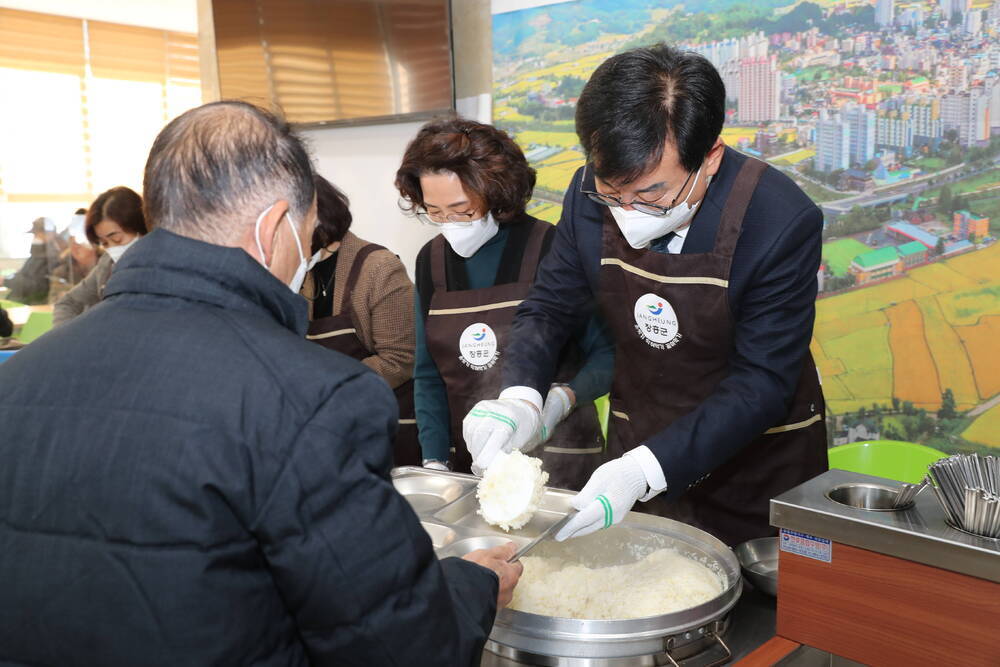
column 446, row 505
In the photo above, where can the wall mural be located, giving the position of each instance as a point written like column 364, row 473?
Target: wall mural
column 888, row 115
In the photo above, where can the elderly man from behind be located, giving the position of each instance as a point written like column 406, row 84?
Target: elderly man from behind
column 186, row 480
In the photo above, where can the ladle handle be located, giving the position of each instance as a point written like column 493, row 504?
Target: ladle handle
column 545, row 533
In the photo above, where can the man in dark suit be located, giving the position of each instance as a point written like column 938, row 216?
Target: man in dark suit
column 704, row 264
column 186, row 480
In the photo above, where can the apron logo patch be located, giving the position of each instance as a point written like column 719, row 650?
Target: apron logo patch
column 478, row 347
column 656, row 322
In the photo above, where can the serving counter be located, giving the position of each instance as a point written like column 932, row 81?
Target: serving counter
column 894, row 587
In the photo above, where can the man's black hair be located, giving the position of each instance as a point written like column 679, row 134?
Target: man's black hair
column 637, row 100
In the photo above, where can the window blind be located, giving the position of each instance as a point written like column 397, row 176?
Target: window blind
column 85, row 101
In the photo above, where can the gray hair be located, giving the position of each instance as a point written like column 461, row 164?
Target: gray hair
column 214, row 169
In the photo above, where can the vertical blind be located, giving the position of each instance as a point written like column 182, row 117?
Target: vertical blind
column 83, row 101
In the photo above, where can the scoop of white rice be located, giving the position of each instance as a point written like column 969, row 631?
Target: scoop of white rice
column 661, row 583
column 511, row 489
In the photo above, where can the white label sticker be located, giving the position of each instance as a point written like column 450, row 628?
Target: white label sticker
column 656, row 322
column 803, row 544
column 478, row 347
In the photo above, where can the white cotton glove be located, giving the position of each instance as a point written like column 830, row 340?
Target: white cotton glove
column 501, row 425
column 431, row 464
column 558, row 405
column 607, row 498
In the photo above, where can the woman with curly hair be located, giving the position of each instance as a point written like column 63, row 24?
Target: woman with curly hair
column 472, row 182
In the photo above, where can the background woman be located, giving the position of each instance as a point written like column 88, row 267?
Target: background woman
column 472, row 182
column 114, row 222
column 361, row 304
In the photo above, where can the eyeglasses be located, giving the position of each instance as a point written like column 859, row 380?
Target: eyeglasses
column 440, row 219
column 437, row 219
column 641, row 205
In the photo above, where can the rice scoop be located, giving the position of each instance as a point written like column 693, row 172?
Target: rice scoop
column 510, row 490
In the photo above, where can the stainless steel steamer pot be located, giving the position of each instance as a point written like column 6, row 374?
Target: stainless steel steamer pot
column 446, row 505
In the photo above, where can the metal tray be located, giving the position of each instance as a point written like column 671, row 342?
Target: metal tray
column 447, row 507
column 428, row 493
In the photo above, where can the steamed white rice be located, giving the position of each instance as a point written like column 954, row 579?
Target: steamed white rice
column 511, row 489
column 661, row 583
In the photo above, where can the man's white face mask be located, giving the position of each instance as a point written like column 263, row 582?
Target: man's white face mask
column 295, row 284
column 640, row 229
column 466, row 239
column 314, row 260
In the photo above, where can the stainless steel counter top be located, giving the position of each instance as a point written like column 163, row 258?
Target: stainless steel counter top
column 919, row 533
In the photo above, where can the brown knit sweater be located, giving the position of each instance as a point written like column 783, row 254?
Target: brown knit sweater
column 382, row 305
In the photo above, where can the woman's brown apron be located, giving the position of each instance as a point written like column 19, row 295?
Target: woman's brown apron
column 674, row 332
column 467, row 331
column 339, row 332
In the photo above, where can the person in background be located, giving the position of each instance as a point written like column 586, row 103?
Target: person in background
column 6, row 326
column 194, row 492
column 115, row 221
column 75, row 261
column 361, row 304
column 30, row 285
column 75, row 228
column 472, row 182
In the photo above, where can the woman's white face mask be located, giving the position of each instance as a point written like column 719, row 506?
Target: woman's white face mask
column 115, row 252
column 466, row 239
column 640, row 229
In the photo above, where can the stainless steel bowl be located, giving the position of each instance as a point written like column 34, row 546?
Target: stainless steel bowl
column 759, row 560
column 871, row 497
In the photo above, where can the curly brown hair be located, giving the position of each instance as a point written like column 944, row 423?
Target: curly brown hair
column 121, row 204
column 486, row 160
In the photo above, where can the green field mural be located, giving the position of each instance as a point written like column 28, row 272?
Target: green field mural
column 888, row 117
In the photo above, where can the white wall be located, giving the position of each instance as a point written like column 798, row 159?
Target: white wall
column 362, row 161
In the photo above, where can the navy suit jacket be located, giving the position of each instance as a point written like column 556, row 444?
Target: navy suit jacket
column 772, row 293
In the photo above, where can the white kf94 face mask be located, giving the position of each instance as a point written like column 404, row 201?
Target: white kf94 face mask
column 115, row 252
column 300, row 273
column 640, row 229
column 467, row 239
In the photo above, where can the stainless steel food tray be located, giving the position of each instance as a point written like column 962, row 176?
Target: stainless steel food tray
column 446, row 504
column 447, row 507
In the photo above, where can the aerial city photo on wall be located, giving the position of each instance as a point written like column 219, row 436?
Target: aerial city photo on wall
column 888, row 115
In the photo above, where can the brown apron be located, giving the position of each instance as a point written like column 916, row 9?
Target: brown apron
column 467, row 331
column 673, row 332
column 338, row 332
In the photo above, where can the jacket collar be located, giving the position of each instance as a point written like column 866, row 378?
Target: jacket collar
column 169, row 265
column 701, row 233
